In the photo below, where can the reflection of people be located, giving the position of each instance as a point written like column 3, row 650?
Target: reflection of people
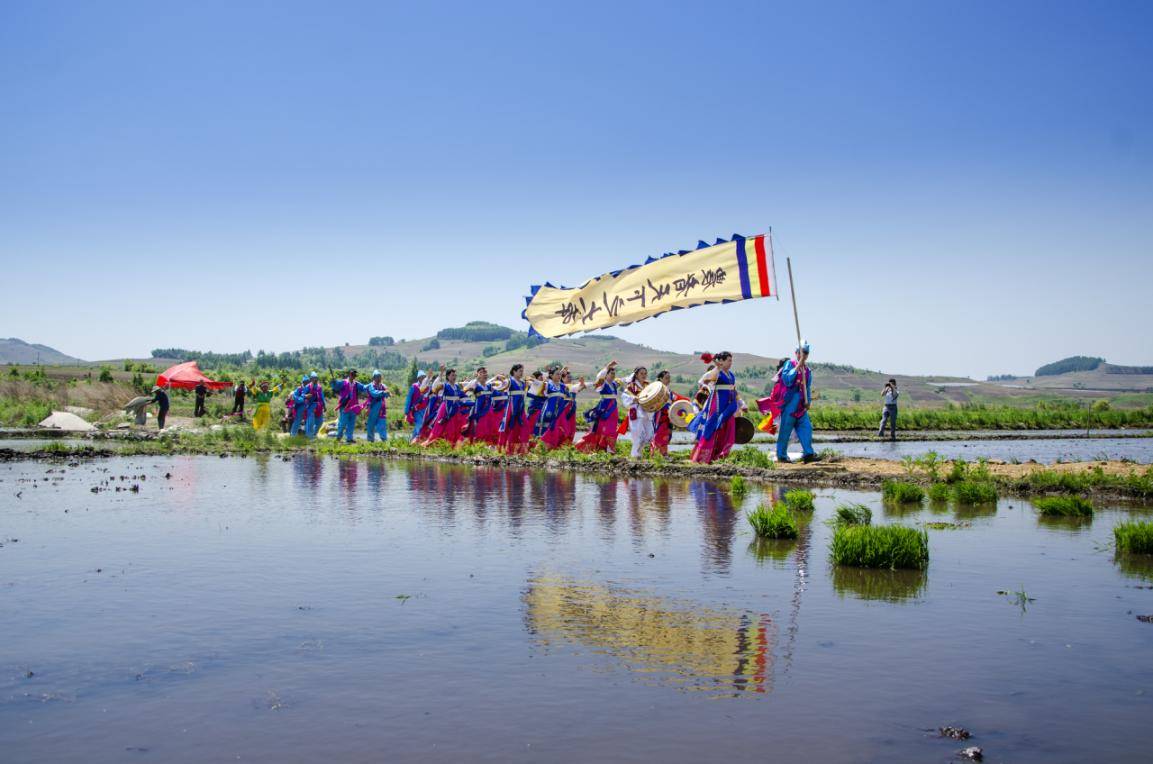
column 201, row 392
column 889, row 395
column 160, row 398
column 798, row 383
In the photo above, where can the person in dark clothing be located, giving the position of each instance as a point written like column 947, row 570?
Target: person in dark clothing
column 238, row 396
column 201, row 391
column 889, row 413
column 160, row 398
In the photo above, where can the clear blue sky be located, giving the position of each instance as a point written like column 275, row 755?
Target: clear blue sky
column 963, row 187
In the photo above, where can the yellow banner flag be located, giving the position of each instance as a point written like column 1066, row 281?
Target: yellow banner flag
column 727, row 271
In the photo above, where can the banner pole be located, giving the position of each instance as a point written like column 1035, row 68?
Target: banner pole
column 797, row 323
column 773, row 260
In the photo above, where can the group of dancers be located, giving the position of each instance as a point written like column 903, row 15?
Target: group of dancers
column 513, row 412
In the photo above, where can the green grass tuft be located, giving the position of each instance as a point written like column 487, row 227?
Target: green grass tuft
column 738, row 486
column 940, row 492
column 880, row 546
column 799, row 500
column 1064, row 506
column 751, row 456
column 1134, row 537
column 773, row 522
column 853, row 514
column 901, row 492
column 974, row 492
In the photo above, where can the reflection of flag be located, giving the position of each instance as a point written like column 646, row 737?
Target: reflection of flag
column 727, row 271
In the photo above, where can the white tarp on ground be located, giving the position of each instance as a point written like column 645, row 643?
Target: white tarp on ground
column 63, row 420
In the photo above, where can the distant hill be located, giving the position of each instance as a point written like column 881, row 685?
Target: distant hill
column 498, row 348
column 17, row 351
column 1083, row 373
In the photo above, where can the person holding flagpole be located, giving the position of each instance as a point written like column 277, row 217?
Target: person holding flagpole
column 716, row 426
column 797, row 381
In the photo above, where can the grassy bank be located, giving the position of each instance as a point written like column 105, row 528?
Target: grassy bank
column 944, row 480
column 1043, row 415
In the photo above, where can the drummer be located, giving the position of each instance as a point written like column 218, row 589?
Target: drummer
column 662, row 425
column 640, row 422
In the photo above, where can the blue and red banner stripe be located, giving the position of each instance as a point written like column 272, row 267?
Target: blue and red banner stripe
column 753, row 266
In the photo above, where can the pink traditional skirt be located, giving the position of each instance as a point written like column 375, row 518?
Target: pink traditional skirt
column 557, row 435
column 602, row 437
column 487, row 428
column 448, row 429
column 709, row 450
column 662, row 436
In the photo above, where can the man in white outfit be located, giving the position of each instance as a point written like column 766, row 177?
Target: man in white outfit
column 640, row 421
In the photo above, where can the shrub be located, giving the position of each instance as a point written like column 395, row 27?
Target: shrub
column 1134, row 537
column 854, row 514
column 974, row 492
column 880, row 546
column 1064, row 506
column 738, row 486
column 799, row 500
column 902, row 493
column 773, row 522
column 939, row 492
column 751, row 456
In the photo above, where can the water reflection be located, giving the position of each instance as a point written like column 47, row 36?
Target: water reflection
column 1139, row 566
column 772, row 551
column 1068, row 524
column 970, row 511
column 718, row 524
column 676, row 643
column 307, row 470
column 883, row 585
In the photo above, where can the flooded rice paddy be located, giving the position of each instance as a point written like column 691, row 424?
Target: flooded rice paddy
column 1044, row 449
column 189, row 609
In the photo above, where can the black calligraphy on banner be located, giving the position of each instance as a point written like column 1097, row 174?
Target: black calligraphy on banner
column 583, row 311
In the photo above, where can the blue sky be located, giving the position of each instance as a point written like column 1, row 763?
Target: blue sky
column 964, row 188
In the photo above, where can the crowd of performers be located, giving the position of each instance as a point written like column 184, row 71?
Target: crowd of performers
column 516, row 411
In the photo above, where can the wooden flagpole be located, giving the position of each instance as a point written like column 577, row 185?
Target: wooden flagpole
column 797, row 323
